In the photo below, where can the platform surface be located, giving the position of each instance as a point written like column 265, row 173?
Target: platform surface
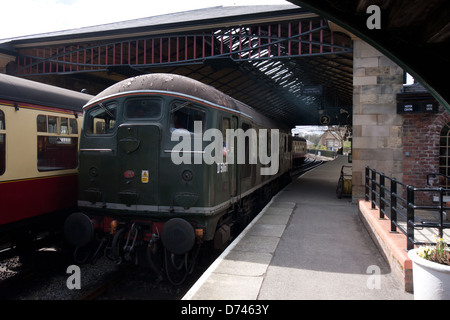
column 305, row 244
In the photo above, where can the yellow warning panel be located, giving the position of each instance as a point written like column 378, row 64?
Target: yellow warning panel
column 144, row 176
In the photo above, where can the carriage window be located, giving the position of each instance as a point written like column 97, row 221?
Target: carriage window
column 101, row 119
column 73, row 126
column 57, row 150
column 2, row 143
column 184, row 116
column 57, row 153
column 149, row 108
column 52, row 124
column 2, row 120
column 64, row 126
column 59, row 125
column 41, row 123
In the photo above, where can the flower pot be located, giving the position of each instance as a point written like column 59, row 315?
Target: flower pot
column 431, row 280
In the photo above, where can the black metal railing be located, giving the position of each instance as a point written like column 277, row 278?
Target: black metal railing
column 397, row 201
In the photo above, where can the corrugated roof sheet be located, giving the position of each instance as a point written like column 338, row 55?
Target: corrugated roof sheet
column 197, row 16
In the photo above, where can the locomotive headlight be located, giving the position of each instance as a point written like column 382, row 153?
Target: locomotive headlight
column 199, row 233
column 187, row 175
column 128, row 174
column 113, row 226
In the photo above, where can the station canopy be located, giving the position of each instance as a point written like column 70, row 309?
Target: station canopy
column 284, row 61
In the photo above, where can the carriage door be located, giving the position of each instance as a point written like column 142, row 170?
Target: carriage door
column 138, row 154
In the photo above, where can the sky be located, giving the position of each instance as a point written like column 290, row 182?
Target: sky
column 27, row 17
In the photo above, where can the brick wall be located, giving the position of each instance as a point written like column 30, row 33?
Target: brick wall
column 403, row 146
column 421, row 147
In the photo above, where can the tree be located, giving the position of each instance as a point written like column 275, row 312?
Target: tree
column 340, row 133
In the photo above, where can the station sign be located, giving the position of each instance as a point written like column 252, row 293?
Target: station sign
column 312, row 90
column 416, row 102
column 404, row 107
column 325, row 120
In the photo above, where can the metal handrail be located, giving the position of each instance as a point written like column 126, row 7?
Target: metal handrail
column 380, row 194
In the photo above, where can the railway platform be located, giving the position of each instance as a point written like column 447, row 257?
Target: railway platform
column 305, row 244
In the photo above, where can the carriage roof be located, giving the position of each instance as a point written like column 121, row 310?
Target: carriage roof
column 27, row 91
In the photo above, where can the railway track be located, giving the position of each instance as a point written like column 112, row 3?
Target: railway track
column 307, row 165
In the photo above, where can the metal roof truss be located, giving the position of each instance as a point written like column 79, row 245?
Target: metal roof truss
column 284, row 57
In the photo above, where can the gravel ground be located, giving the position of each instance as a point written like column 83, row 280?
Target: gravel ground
column 57, row 286
column 48, row 280
column 138, row 283
column 8, row 268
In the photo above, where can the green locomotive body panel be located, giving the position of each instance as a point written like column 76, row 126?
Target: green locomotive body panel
column 131, row 135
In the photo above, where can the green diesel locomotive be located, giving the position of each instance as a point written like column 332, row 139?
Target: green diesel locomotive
column 167, row 163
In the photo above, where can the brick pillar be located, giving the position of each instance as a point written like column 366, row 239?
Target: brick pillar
column 377, row 128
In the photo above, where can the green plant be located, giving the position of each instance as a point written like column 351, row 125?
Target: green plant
column 439, row 253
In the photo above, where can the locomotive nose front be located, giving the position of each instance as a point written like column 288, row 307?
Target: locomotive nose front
column 119, row 157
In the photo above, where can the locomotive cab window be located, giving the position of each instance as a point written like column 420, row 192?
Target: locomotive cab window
column 101, row 119
column 147, row 108
column 184, row 116
column 2, row 143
